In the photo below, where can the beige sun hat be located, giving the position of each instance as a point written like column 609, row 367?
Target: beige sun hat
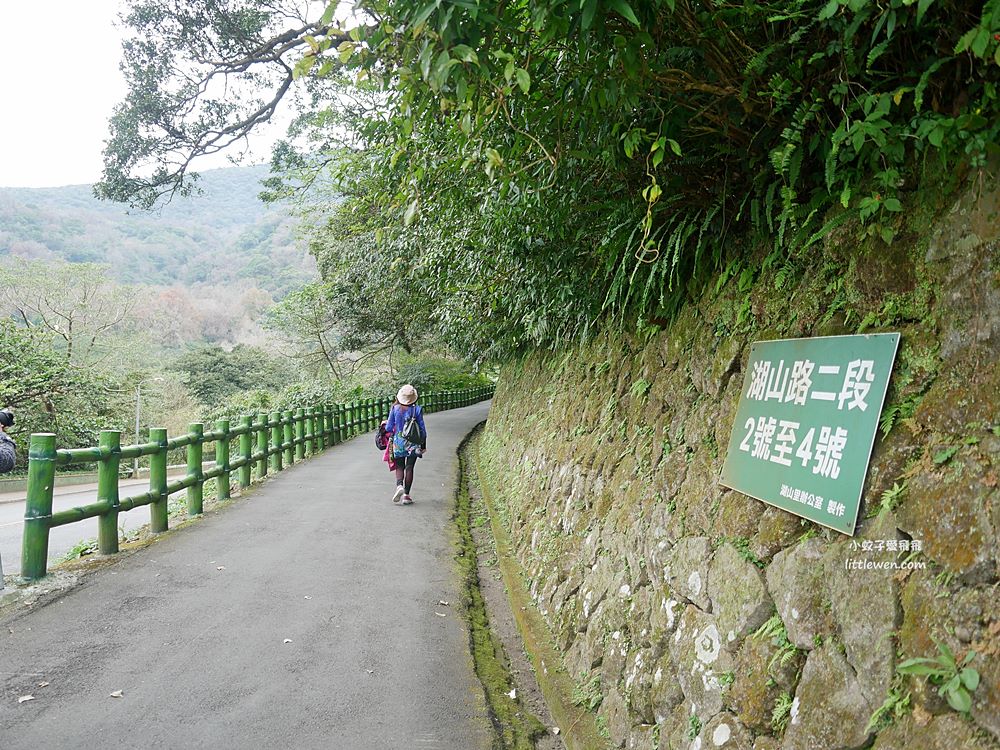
column 407, row 395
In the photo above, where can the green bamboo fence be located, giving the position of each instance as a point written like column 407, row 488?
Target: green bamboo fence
column 259, row 444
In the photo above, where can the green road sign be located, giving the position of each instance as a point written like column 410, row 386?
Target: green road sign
column 806, row 424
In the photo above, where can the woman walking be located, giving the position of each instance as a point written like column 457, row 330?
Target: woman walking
column 409, row 440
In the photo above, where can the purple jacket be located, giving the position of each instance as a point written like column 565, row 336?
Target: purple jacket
column 397, row 419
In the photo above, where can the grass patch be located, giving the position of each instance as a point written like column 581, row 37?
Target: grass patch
column 515, row 727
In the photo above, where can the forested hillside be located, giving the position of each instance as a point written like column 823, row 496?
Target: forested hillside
column 225, row 234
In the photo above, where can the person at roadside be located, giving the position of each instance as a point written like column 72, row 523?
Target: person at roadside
column 409, row 440
column 7, row 455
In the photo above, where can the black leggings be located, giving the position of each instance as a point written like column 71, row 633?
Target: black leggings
column 404, row 472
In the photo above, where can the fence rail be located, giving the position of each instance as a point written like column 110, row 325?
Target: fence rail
column 264, row 443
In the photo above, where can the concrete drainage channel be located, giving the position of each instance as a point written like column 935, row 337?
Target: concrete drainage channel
column 527, row 692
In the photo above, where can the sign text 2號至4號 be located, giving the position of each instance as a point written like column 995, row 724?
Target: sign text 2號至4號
column 806, row 424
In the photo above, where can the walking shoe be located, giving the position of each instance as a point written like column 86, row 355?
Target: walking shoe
column 407, row 500
column 398, row 495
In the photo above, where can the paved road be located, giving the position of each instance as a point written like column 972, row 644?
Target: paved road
column 63, row 538
column 318, row 556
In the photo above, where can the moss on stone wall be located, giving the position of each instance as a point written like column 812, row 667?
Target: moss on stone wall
column 662, row 586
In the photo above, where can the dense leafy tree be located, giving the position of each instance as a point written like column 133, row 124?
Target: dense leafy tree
column 76, row 303
column 533, row 165
column 30, row 368
column 50, row 394
column 213, row 374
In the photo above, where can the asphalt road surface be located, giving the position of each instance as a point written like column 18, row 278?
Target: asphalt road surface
column 63, row 538
column 308, row 615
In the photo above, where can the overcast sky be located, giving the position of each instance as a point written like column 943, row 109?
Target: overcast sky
column 59, row 82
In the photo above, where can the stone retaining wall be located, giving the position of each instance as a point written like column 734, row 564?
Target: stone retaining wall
column 707, row 619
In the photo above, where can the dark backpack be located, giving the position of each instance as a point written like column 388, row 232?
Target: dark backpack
column 411, row 428
column 381, row 437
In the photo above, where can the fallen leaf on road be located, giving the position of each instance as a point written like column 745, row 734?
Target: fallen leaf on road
column 370, row 671
column 25, row 698
column 512, row 694
column 43, row 684
column 221, row 567
column 117, row 694
column 308, row 597
column 555, row 730
column 288, row 640
column 440, row 614
column 443, row 603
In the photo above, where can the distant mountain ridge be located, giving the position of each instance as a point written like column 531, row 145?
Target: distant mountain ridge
column 224, row 235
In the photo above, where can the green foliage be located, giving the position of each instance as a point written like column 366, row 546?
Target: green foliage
column 694, row 726
column 81, row 549
column 430, row 373
column 212, row 374
column 956, row 681
column 532, row 167
column 781, row 714
column 892, row 497
column 76, row 304
column 742, row 545
column 640, row 388
column 944, row 455
column 895, row 706
column 774, row 630
column 587, row 694
column 225, row 235
column 50, row 394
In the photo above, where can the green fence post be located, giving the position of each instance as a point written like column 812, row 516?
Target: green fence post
column 338, row 436
column 314, row 423
column 300, row 434
column 222, row 459
column 158, row 481
column 38, row 508
column 262, row 436
column 246, row 450
column 327, row 426
column 320, row 428
column 107, row 491
column 195, row 452
column 288, row 436
column 307, row 431
column 277, row 438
